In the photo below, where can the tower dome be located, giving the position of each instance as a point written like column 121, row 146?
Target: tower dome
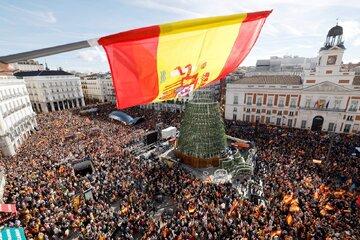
column 335, row 31
column 334, row 38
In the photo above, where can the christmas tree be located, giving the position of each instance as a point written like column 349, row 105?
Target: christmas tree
column 202, row 133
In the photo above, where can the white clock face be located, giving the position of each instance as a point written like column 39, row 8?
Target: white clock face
column 331, row 60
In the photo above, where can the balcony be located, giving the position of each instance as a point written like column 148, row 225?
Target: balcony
column 322, row 109
column 269, row 105
column 281, row 105
column 249, row 103
column 258, row 104
column 292, row 106
column 352, row 109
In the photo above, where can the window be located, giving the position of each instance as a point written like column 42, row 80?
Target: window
column 303, row 124
column 291, row 113
column 331, row 127
column 248, row 110
column 247, row 118
column 268, row 112
column 234, row 116
column 349, row 118
column 281, row 102
column 347, row 128
column 293, row 103
column 337, row 104
column 267, row 119
column 248, row 101
column 259, row 101
column 310, row 81
column 355, row 128
column 278, row 121
column 235, row 110
column 257, row 119
column 307, row 103
column 257, row 110
column 236, row 99
column 279, row 113
column 290, row 122
column 353, row 105
column 270, row 101
column 48, row 106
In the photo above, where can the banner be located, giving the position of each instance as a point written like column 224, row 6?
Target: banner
column 12, row 234
column 10, row 208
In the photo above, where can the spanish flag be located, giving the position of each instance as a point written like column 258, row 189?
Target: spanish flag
column 163, row 62
column 289, row 219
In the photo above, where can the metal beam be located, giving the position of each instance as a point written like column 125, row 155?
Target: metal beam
column 44, row 52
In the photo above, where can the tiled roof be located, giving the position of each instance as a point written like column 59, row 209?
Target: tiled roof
column 356, row 80
column 41, row 73
column 270, row 79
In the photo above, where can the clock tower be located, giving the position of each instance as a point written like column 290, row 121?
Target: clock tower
column 331, row 54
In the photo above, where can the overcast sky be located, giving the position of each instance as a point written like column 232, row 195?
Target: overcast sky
column 296, row 27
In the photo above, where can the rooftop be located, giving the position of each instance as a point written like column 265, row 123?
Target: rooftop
column 270, row 79
column 42, row 73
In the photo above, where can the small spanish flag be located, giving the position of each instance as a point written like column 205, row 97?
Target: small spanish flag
column 76, row 201
column 287, row 199
column 167, row 61
column 289, row 219
column 192, row 208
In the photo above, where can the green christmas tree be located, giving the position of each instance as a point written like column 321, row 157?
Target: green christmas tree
column 202, row 132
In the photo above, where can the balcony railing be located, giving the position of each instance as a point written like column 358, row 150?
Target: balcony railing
column 248, row 103
column 352, row 109
column 323, row 109
column 258, row 104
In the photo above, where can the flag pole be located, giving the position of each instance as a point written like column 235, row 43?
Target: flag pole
column 43, row 52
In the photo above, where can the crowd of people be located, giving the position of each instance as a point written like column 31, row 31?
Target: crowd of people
column 303, row 199
column 311, row 180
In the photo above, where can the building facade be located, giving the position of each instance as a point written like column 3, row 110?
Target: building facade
column 178, row 104
column 27, row 65
column 53, row 90
column 17, row 118
column 98, row 87
column 325, row 98
column 291, row 64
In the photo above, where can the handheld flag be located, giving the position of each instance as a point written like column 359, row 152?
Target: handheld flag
column 163, row 62
column 9, row 208
column 12, row 234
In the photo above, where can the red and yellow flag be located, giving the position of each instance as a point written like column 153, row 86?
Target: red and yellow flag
column 163, row 62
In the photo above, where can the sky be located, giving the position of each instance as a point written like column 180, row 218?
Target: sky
column 295, row 27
